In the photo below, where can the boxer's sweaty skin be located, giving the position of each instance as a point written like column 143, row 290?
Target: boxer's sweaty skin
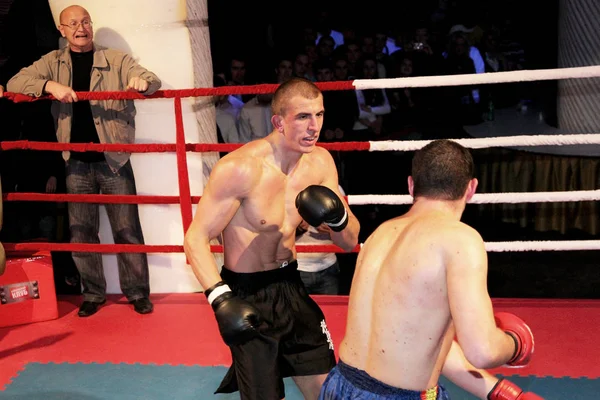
column 400, row 326
column 251, row 193
column 261, row 233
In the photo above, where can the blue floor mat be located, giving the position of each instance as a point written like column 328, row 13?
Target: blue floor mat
column 135, row 381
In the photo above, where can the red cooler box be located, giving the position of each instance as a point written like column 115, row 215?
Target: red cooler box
column 27, row 292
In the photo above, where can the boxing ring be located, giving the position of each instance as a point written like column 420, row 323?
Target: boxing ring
column 182, row 332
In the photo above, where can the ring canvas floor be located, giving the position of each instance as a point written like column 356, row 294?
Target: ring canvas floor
column 176, row 352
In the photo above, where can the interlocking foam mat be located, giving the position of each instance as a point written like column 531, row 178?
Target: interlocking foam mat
column 176, row 352
column 70, row 381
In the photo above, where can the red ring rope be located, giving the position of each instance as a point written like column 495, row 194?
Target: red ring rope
column 145, row 248
column 180, row 148
column 197, row 92
column 156, row 147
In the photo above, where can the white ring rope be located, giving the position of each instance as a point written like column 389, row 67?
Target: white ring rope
column 486, row 198
column 534, row 245
column 556, row 245
column 482, row 143
column 479, row 79
column 507, row 141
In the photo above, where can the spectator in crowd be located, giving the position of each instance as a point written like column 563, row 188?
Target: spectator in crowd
column 84, row 66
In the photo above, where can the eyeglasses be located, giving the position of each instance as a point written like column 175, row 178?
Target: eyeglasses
column 86, row 24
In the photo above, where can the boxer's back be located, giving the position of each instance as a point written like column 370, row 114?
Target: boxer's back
column 398, row 314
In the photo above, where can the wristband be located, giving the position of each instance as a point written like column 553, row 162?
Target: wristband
column 517, row 347
column 216, row 290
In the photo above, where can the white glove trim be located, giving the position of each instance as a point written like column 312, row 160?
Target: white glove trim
column 343, row 220
column 217, row 292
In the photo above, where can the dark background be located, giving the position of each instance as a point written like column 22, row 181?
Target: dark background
column 27, row 32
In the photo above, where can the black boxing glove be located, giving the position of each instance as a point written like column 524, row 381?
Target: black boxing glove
column 319, row 204
column 237, row 319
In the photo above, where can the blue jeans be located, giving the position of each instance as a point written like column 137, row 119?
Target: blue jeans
column 84, row 223
column 326, row 281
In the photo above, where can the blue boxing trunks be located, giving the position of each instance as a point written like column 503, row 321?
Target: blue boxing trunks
column 346, row 382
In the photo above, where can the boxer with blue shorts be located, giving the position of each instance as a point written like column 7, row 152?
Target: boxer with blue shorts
column 419, row 307
column 346, row 382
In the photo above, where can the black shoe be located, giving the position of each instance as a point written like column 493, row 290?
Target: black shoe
column 89, row 308
column 142, row 306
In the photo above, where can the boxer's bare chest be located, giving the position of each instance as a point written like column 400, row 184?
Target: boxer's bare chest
column 270, row 206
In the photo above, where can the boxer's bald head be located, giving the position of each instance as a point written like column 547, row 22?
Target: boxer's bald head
column 65, row 14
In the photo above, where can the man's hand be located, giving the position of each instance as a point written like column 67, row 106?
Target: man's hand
column 62, row 93
column 329, row 134
column 1, row 91
column 51, row 185
column 324, row 228
column 304, row 227
column 137, row 84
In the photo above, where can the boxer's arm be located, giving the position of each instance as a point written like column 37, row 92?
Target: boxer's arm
column 462, row 373
column 484, row 344
column 479, row 382
column 227, row 185
column 347, row 239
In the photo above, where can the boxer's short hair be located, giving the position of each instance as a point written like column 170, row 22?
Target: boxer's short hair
column 293, row 87
column 442, row 170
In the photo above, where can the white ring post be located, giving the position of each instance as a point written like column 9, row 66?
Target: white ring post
column 578, row 46
column 154, row 32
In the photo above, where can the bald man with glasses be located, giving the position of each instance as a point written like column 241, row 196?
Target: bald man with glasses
column 86, row 66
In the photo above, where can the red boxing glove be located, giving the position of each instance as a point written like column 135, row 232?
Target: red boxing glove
column 520, row 332
column 506, row 390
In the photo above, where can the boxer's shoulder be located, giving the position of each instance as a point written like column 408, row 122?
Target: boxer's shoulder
column 320, row 156
column 236, row 172
column 444, row 234
column 450, row 229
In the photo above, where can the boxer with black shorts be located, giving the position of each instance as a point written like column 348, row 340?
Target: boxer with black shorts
column 255, row 197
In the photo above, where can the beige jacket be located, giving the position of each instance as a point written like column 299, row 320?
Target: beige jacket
column 111, row 71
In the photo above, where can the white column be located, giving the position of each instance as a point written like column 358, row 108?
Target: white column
column 579, row 45
column 197, row 23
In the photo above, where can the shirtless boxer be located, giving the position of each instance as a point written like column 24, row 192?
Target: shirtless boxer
column 255, row 197
column 420, row 280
